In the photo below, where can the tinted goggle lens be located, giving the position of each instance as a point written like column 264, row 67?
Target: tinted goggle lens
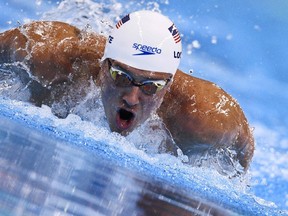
column 123, row 79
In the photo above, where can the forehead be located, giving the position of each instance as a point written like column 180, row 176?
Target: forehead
column 140, row 72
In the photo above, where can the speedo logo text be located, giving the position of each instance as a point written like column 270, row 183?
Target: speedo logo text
column 146, row 50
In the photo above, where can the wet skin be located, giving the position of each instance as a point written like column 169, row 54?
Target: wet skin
column 128, row 107
column 197, row 113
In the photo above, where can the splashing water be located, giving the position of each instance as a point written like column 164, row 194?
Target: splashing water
column 87, row 120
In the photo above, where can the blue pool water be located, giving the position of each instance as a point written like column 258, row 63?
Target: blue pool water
column 69, row 174
column 240, row 45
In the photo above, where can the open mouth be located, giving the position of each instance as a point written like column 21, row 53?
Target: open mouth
column 124, row 119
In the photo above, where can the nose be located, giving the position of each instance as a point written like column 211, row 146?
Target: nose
column 131, row 98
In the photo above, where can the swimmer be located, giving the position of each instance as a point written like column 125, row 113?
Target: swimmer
column 136, row 67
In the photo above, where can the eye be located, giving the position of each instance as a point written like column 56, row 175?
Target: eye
column 113, row 73
column 160, row 84
column 151, row 87
column 120, row 77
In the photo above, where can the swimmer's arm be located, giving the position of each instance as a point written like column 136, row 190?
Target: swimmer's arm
column 198, row 112
column 12, row 46
column 61, row 51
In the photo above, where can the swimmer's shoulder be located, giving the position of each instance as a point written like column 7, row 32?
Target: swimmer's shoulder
column 46, row 45
column 188, row 85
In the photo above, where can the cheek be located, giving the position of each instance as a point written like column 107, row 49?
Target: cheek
column 152, row 103
column 108, row 91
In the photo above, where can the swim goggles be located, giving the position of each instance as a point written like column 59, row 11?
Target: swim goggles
column 148, row 87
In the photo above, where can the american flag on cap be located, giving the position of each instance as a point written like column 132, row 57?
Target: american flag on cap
column 122, row 21
column 175, row 33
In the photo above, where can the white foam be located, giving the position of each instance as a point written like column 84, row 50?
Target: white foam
column 271, row 153
column 134, row 145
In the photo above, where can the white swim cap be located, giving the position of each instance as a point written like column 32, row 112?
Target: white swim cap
column 145, row 40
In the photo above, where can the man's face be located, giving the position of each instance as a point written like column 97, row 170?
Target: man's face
column 128, row 104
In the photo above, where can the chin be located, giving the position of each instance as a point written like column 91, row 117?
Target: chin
column 126, row 132
column 123, row 132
